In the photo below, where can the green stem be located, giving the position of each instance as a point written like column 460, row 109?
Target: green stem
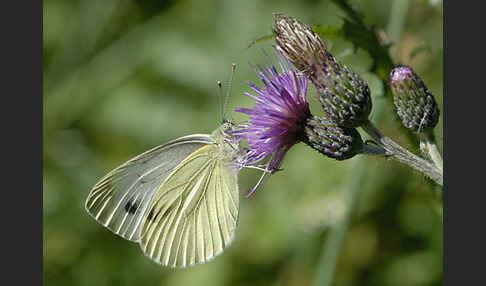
column 402, row 155
column 332, row 248
column 373, row 150
column 394, row 29
column 429, row 147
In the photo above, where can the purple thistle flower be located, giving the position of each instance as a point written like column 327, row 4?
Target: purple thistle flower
column 277, row 121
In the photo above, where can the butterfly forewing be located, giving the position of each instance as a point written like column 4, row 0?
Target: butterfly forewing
column 119, row 200
column 193, row 216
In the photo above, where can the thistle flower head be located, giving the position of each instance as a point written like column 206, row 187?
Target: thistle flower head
column 277, row 120
column 337, row 142
column 344, row 96
column 415, row 105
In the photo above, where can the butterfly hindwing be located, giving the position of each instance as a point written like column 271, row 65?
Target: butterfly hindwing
column 193, row 215
column 120, row 199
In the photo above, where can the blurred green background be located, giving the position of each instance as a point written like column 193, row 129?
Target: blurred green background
column 121, row 77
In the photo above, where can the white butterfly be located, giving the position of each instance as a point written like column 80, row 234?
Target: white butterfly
column 179, row 201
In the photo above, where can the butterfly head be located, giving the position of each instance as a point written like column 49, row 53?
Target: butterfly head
column 227, row 126
column 224, row 133
column 229, row 145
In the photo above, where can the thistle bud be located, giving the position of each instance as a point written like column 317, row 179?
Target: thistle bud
column 344, row 96
column 415, row 105
column 337, row 142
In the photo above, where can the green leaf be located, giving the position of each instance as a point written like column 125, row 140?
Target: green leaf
column 261, row 39
column 355, row 31
column 328, row 32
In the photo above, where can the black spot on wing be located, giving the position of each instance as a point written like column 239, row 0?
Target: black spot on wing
column 166, row 213
column 131, row 207
column 151, row 215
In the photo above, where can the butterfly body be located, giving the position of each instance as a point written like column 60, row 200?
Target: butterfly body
column 179, row 201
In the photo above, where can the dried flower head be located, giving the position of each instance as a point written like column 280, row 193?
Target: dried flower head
column 298, row 43
column 344, row 96
column 415, row 105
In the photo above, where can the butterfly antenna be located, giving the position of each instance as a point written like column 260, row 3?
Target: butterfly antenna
column 226, row 99
column 220, row 102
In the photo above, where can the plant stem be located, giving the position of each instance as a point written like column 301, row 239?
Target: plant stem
column 429, row 147
column 397, row 152
column 394, row 29
column 333, row 245
column 373, row 150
